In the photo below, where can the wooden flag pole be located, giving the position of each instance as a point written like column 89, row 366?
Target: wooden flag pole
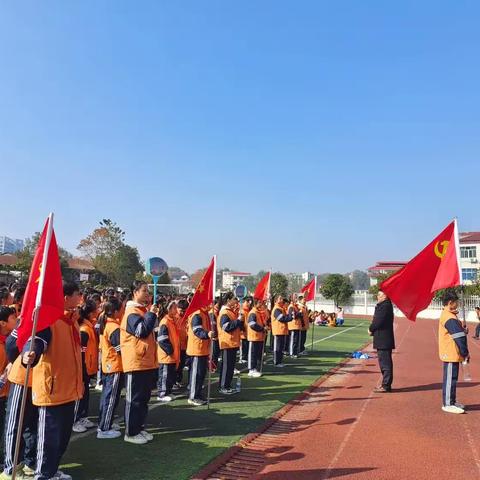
column 38, row 302
column 265, row 339
column 213, row 329
column 314, row 309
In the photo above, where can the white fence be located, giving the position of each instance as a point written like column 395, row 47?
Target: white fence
column 364, row 304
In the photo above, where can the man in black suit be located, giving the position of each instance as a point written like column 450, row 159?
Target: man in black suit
column 383, row 339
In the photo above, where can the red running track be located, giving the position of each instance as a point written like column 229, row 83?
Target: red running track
column 341, row 429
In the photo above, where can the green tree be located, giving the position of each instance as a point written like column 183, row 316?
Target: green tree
column 338, row 288
column 278, row 285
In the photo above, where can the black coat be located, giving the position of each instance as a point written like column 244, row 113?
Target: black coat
column 382, row 326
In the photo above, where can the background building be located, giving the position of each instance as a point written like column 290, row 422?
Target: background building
column 469, row 250
column 383, row 268
column 231, row 279
column 10, row 245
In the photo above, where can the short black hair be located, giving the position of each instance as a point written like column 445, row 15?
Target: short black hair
column 5, row 312
column 449, row 296
column 137, row 285
column 183, row 304
column 69, row 288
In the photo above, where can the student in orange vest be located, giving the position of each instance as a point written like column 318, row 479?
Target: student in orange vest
column 88, row 338
column 213, row 315
column 139, row 358
column 246, row 307
column 56, row 384
column 112, row 368
column 294, row 327
column 280, row 320
column 305, row 325
column 182, row 306
column 198, row 349
column 8, row 318
column 168, row 353
column 256, row 323
column 452, row 349
column 229, row 327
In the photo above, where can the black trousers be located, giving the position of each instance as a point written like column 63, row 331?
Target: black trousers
column 28, row 447
column 255, row 351
column 183, row 359
column 112, row 387
column 81, row 406
column 294, row 342
column 303, row 339
column 139, row 390
column 227, row 366
column 278, row 347
column 198, row 371
column 286, row 349
column 244, row 350
column 386, row 367
column 477, row 331
column 167, row 373
column 449, row 387
column 54, row 430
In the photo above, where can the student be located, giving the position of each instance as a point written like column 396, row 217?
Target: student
column 213, row 315
column 246, row 307
column 88, row 338
column 339, row 320
column 280, row 320
column 294, row 327
column 229, row 327
column 182, row 306
column 8, row 318
column 56, row 384
column 452, row 349
column 168, row 353
column 139, row 358
column 477, row 328
column 303, row 310
column 256, row 327
column 198, row 349
column 112, row 368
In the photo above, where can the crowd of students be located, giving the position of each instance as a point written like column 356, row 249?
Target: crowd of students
column 121, row 340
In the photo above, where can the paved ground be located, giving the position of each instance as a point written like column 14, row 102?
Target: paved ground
column 341, row 429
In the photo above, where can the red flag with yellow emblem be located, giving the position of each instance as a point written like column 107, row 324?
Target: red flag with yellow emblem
column 437, row 266
column 309, row 289
column 44, row 289
column 205, row 291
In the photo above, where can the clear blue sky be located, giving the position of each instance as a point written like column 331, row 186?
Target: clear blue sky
column 306, row 135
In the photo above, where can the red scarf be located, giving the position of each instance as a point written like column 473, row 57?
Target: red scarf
column 3, row 338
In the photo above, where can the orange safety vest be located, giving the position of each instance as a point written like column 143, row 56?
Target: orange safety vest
column 228, row 339
column 182, row 332
column 57, row 377
column 91, row 350
column 138, row 354
column 111, row 359
column 245, row 310
column 279, row 328
column 198, row 347
column 3, row 364
column 306, row 320
column 252, row 335
column 296, row 323
column 447, row 348
column 174, row 340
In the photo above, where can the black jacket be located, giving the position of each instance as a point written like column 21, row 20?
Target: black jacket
column 382, row 326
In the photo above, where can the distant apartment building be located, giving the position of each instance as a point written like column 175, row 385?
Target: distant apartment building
column 383, row 268
column 231, row 279
column 469, row 256
column 10, row 245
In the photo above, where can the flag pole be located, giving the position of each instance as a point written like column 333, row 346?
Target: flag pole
column 265, row 339
column 314, row 309
column 38, row 302
column 462, row 285
column 213, row 328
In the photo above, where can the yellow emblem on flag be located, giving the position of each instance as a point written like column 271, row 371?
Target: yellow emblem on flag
column 201, row 288
column 39, row 273
column 440, row 253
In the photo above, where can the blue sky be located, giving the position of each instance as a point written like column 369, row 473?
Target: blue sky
column 297, row 136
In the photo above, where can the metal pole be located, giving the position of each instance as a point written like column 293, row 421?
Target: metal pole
column 313, row 328
column 213, row 329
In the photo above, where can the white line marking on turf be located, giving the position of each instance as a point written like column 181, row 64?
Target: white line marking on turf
column 338, row 333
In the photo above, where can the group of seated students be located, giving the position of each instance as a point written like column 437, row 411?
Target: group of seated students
column 118, row 339
column 333, row 319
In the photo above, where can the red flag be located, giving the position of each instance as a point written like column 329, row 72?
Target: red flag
column 263, row 288
column 205, row 291
column 437, row 266
column 310, row 289
column 44, row 288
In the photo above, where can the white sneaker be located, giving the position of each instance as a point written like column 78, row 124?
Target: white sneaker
column 227, row 391
column 136, row 439
column 62, row 476
column 166, row 398
column 196, row 402
column 98, row 387
column 147, row 435
column 79, row 427
column 236, row 371
column 108, row 434
column 241, row 361
column 87, row 423
column 116, row 426
column 254, row 373
column 460, row 405
column 280, row 365
column 452, row 409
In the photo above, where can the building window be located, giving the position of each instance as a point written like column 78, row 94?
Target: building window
column 468, row 252
column 469, row 274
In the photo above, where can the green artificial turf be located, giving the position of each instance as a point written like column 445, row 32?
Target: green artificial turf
column 187, row 438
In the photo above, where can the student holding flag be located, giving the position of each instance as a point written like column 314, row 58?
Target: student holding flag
column 303, row 311
column 294, row 327
column 256, row 328
column 280, row 320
